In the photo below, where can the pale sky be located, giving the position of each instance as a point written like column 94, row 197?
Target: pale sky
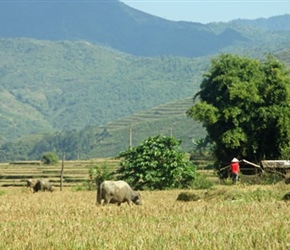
column 206, row 11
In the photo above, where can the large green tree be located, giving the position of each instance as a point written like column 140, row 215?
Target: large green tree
column 157, row 163
column 244, row 105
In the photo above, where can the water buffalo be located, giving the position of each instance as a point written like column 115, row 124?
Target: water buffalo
column 30, row 183
column 39, row 185
column 117, row 192
column 43, row 185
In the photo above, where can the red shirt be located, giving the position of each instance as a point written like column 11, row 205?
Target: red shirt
column 235, row 167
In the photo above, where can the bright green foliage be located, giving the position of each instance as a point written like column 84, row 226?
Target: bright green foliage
column 98, row 174
column 244, row 106
column 158, row 163
column 49, row 158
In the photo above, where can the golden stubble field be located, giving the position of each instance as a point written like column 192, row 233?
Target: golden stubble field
column 71, row 220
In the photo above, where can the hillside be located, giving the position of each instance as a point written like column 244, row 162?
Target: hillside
column 110, row 139
column 49, row 86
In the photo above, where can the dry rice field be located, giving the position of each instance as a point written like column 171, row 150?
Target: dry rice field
column 228, row 217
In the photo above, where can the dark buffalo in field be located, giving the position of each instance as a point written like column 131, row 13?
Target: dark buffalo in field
column 40, row 185
column 117, row 192
column 30, row 184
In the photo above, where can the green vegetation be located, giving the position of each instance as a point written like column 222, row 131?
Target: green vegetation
column 244, row 106
column 49, row 158
column 69, row 86
column 98, row 174
column 202, row 182
column 65, row 97
column 109, row 140
column 158, row 163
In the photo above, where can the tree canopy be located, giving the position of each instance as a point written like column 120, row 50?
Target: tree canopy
column 49, row 158
column 244, row 105
column 157, row 163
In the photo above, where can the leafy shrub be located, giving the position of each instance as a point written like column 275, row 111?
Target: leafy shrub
column 49, row 158
column 97, row 175
column 158, row 163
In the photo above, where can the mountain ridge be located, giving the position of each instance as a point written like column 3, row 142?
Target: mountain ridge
column 116, row 25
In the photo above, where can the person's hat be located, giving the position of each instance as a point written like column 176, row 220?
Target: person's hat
column 235, row 160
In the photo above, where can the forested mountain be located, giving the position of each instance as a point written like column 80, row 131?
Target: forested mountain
column 50, row 86
column 71, row 72
column 276, row 23
column 116, row 25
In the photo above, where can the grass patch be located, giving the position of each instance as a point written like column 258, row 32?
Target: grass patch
column 202, row 182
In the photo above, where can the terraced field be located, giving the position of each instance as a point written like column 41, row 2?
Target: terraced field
column 15, row 174
column 175, row 109
column 168, row 120
column 75, row 172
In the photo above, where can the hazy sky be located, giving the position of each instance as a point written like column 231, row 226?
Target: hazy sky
column 206, row 11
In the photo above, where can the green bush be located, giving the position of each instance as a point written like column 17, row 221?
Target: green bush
column 158, row 163
column 49, row 158
column 97, row 175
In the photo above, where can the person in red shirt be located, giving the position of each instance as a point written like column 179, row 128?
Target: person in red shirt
column 235, row 170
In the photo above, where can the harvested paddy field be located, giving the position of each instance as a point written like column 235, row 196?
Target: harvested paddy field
column 225, row 217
